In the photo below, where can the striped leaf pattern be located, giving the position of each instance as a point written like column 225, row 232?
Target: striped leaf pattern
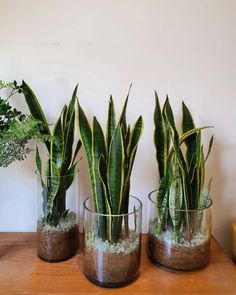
column 60, row 168
column 110, row 165
column 182, row 176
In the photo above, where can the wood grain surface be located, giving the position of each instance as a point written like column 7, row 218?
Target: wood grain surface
column 22, row 272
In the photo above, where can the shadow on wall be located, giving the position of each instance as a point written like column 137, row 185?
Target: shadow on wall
column 222, row 208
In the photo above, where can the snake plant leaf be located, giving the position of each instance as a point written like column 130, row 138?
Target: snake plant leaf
column 98, row 141
column 132, row 146
column 161, row 201
column 135, row 135
column 184, row 136
column 115, row 177
column 85, row 134
column 122, row 120
column 127, row 137
column 204, row 201
column 102, row 169
column 209, row 148
column 187, row 120
column 69, row 119
column 106, row 220
column 56, row 149
column 54, row 186
column 161, row 192
column 115, row 170
column 64, row 115
column 36, row 110
column 71, row 106
column 162, row 212
column 38, row 162
column 160, row 138
column 46, row 187
column 168, row 137
column 171, row 122
column 111, row 122
column 187, row 193
column 190, row 141
column 69, row 140
column 70, row 175
column 98, row 149
column 202, row 170
column 175, row 202
column 126, row 140
column 197, row 188
column 77, row 149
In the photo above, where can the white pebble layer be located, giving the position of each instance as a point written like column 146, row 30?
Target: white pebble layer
column 123, row 246
column 64, row 225
column 168, row 237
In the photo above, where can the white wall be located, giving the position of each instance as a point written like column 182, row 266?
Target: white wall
column 183, row 48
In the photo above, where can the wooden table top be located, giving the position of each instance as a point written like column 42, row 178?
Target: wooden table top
column 22, row 272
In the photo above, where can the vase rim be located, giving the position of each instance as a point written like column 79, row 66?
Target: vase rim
column 114, row 215
column 209, row 204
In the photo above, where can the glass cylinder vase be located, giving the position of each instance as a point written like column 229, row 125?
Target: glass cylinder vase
column 182, row 244
column 57, row 224
column 112, row 245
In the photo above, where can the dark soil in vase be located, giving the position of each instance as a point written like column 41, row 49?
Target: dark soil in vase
column 58, row 244
column 114, row 267
column 176, row 256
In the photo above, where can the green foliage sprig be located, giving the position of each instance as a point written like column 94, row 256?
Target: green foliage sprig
column 60, row 168
column 16, row 129
column 182, row 176
column 110, row 161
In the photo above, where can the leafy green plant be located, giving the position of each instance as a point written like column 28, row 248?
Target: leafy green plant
column 110, row 163
column 16, row 129
column 60, row 168
column 182, row 176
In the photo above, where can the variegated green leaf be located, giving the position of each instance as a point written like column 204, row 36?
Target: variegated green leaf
column 56, row 149
column 135, row 135
column 36, row 110
column 183, row 137
column 64, row 115
column 69, row 140
column 116, row 177
column 160, row 139
column 115, row 170
column 122, row 120
column 111, row 122
column 187, row 194
column 132, row 147
column 54, row 182
column 209, row 148
column 187, row 125
column 98, row 149
column 38, row 162
column 176, row 198
column 85, row 134
column 70, row 176
column 107, row 220
column 71, row 106
column 77, row 149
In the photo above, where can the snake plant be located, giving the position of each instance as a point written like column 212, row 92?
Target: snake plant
column 182, row 175
column 110, row 161
column 60, row 168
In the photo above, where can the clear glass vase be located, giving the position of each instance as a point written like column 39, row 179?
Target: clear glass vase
column 112, row 245
column 185, row 246
column 57, row 224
